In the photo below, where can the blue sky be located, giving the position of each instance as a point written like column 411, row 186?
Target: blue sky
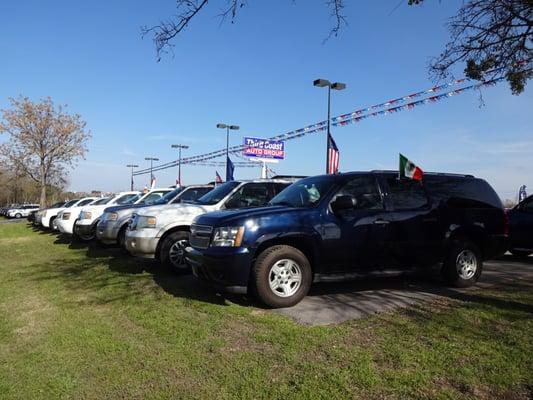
column 257, row 73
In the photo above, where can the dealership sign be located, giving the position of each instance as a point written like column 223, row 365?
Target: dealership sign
column 264, row 148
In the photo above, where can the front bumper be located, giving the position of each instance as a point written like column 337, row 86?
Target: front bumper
column 65, row 226
column 227, row 268
column 107, row 232
column 142, row 242
column 83, row 229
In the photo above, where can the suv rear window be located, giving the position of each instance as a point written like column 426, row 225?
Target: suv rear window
column 462, row 192
column 407, row 194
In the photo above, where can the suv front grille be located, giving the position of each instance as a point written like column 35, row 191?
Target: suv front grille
column 200, row 236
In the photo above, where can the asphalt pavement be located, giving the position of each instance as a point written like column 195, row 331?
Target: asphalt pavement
column 331, row 303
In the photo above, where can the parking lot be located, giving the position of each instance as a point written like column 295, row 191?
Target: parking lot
column 339, row 302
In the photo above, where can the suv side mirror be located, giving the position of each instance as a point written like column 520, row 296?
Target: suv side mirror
column 342, row 203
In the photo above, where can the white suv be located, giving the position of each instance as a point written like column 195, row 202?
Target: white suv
column 65, row 219
column 85, row 225
column 162, row 232
column 22, row 210
column 49, row 216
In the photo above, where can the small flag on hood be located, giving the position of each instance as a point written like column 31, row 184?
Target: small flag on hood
column 408, row 169
column 218, row 178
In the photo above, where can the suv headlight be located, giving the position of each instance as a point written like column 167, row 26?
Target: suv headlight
column 146, row 222
column 228, row 236
column 66, row 216
column 44, row 214
column 86, row 215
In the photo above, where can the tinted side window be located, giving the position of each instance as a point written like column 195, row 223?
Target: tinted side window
column 85, row 202
column 462, row 192
column 192, row 194
column 407, row 194
column 364, row 190
column 250, row 195
column 527, row 206
column 278, row 187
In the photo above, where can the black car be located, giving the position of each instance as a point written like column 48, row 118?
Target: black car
column 521, row 228
column 337, row 227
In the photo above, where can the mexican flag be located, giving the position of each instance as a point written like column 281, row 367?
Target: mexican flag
column 408, row 169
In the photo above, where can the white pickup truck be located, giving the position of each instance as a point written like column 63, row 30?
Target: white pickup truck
column 85, row 224
column 162, row 232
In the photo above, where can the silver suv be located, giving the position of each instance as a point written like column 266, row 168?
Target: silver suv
column 162, row 232
column 112, row 227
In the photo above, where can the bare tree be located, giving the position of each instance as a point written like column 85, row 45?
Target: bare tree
column 493, row 38
column 164, row 32
column 43, row 141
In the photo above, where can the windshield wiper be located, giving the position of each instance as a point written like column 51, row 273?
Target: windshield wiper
column 282, row 203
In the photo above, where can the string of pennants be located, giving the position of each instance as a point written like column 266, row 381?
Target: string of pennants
column 428, row 96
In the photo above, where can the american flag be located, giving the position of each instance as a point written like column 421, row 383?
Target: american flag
column 178, row 183
column 333, row 156
column 152, row 183
column 218, row 179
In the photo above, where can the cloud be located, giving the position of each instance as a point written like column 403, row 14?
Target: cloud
column 128, row 152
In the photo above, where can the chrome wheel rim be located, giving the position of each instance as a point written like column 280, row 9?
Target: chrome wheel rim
column 176, row 254
column 285, row 278
column 466, row 264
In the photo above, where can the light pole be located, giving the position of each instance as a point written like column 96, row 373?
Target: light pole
column 132, row 166
column 227, row 128
column 151, row 159
column 179, row 146
column 334, row 86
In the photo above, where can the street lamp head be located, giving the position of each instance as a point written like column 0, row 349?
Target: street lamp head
column 321, row 82
column 151, row 159
column 234, row 127
column 338, row 86
column 179, row 146
column 132, row 165
column 222, row 126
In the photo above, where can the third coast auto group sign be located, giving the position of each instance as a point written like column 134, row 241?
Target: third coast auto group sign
column 264, row 148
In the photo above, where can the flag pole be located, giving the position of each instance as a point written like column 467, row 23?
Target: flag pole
column 328, row 135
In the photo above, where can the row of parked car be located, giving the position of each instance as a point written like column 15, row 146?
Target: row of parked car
column 275, row 237
column 18, row 210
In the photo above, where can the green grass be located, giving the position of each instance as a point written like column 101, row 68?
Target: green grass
column 84, row 322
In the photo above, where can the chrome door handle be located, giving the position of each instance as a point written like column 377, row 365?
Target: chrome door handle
column 381, row 222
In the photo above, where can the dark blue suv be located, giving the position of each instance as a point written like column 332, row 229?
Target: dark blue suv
column 337, row 227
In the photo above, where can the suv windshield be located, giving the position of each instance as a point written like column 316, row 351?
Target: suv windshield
column 127, row 198
column 57, row 205
column 152, row 197
column 105, row 200
column 304, row 193
column 70, row 203
column 169, row 196
column 217, row 194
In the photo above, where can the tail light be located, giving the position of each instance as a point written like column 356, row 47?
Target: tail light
column 506, row 223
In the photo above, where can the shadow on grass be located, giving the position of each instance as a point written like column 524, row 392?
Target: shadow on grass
column 361, row 295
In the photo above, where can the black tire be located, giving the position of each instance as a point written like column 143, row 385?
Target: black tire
column 85, row 238
column 521, row 253
column 121, row 237
column 281, row 255
column 172, row 252
column 52, row 224
column 463, row 264
column 18, row 216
